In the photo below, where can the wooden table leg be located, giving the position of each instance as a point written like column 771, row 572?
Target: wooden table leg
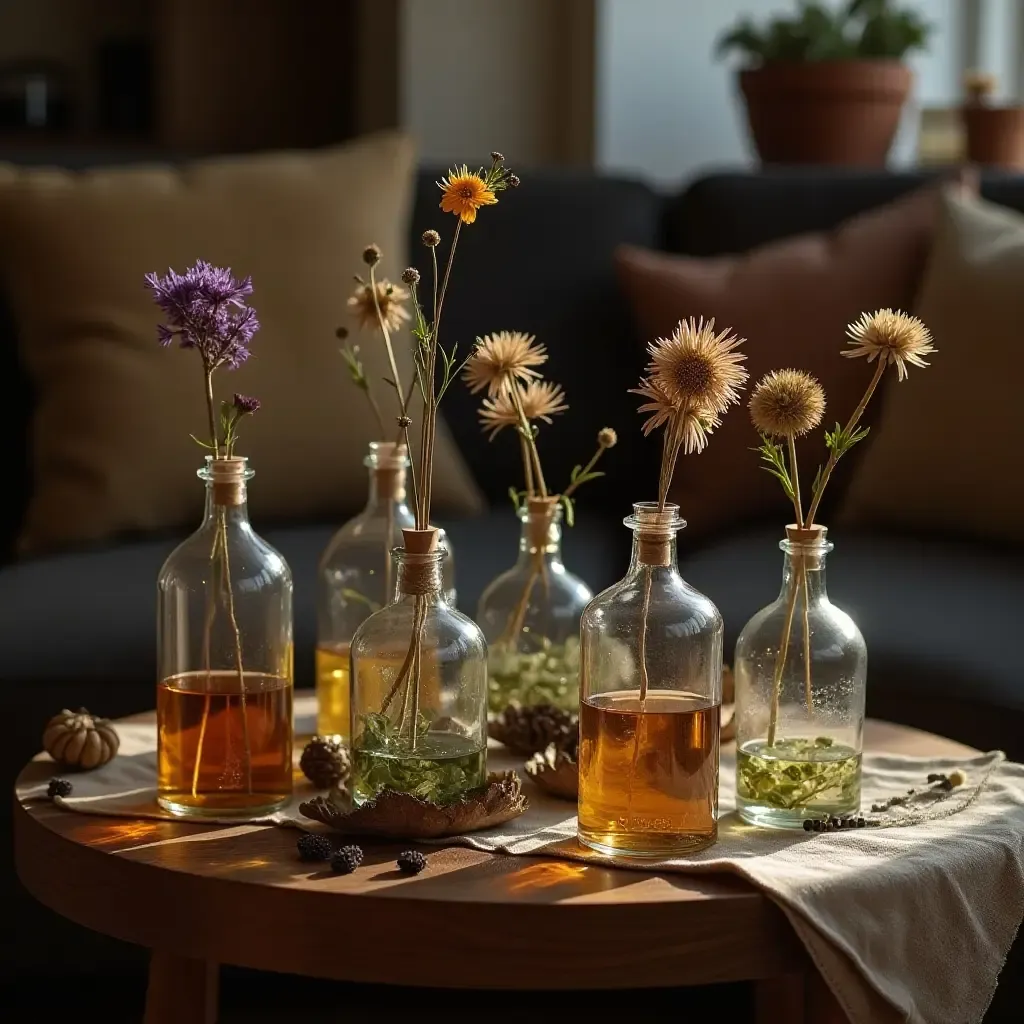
column 796, row 999
column 181, row 989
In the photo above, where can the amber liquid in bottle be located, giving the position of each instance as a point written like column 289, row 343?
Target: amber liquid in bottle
column 654, row 798
column 218, row 757
column 332, row 690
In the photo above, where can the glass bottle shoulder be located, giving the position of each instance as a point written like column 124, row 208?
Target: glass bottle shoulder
column 445, row 627
column 255, row 563
column 671, row 600
column 825, row 619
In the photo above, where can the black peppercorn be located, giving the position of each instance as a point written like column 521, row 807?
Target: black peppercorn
column 313, row 847
column 59, row 787
column 411, row 862
column 346, row 860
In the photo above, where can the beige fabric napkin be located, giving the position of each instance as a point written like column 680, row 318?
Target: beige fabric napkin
column 906, row 924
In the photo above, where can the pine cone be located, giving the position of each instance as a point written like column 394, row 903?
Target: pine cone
column 534, row 728
column 325, row 762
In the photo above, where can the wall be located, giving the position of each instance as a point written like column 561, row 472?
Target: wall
column 476, row 75
column 666, row 108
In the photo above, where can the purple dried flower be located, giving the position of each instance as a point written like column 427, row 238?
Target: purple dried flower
column 246, row 405
column 206, row 310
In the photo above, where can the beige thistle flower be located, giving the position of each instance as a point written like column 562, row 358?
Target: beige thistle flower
column 694, row 429
column 892, row 337
column 391, row 298
column 607, row 438
column 541, row 399
column 502, row 358
column 787, row 403
column 697, row 367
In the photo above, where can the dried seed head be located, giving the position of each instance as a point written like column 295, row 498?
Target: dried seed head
column 607, row 438
column 512, row 181
column 410, row 276
column 430, row 238
column 497, row 157
column 371, row 255
column 892, row 337
column 787, row 403
column 341, row 333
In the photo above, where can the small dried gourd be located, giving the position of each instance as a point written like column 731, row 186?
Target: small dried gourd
column 80, row 741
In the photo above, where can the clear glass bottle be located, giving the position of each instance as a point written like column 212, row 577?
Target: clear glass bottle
column 651, row 695
column 530, row 615
column 419, row 711
column 800, row 671
column 356, row 578
column 225, row 662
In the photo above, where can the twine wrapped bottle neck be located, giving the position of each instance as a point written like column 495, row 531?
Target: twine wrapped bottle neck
column 654, row 533
column 418, row 575
column 542, row 531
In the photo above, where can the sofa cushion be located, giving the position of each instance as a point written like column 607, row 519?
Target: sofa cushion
column 945, row 455
column 792, row 301
column 110, row 435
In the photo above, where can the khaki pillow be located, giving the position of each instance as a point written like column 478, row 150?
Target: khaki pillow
column 792, row 301
column 111, row 451
column 949, row 437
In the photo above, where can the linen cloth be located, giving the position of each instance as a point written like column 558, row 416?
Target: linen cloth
column 908, row 923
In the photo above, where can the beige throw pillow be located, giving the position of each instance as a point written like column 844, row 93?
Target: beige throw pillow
column 111, row 451
column 946, row 452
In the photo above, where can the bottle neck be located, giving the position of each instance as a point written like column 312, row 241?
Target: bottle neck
column 231, row 509
column 540, row 535
column 386, row 488
column 653, row 550
column 804, row 565
column 419, row 576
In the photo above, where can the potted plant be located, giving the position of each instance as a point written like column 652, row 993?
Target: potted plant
column 827, row 85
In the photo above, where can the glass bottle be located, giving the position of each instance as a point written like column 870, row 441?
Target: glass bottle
column 651, row 695
column 225, row 662
column 356, row 578
column 419, row 711
column 800, row 671
column 530, row 615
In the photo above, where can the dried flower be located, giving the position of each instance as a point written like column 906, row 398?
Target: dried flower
column 513, row 181
column 410, row 276
column 390, row 298
column 430, row 238
column 698, row 368
column 497, row 157
column 893, row 337
column 245, row 404
column 464, row 193
column 371, row 255
column 206, row 310
column 500, row 359
column 540, row 400
column 607, row 438
column 341, row 333
column 787, row 403
column 693, row 429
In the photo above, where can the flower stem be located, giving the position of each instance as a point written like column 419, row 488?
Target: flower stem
column 850, row 424
column 780, row 660
column 794, row 475
column 208, row 374
column 526, row 432
column 211, row 609
column 583, row 473
column 808, row 693
column 527, row 468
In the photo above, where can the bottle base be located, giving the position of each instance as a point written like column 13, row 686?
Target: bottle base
column 790, row 818
column 258, row 805
column 646, row 845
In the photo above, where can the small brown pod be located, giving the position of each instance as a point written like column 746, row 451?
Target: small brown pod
column 80, row 741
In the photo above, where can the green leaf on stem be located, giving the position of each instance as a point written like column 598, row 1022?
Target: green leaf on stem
column 570, row 510
column 774, row 455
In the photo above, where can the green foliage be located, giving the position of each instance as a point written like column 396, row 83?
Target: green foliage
column 518, row 497
column 435, row 771
column 547, row 676
column 796, row 774
column 579, row 475
column 774, row 455
column 840, row 441
column 354, row 597
column 350, row 353
column 569, row 509
column 858, row 29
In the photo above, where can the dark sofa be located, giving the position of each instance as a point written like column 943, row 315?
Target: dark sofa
column 939, row 616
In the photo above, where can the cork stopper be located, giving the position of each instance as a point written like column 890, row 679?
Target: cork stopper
column 388, row 461
column 811, row 536
column 420, row 562
column 655, row 530
column 228, row 477
column 540, row 514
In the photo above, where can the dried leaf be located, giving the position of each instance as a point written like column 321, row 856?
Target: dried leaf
column 555, row 772
column 401, row 816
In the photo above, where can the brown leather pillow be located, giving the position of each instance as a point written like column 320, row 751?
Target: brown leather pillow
column 946, row 454
column 792, row 301
column 111, row 451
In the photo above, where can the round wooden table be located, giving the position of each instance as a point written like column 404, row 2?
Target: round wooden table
column 201, row 895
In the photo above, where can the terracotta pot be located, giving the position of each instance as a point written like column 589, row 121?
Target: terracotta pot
column 828, row 112
column 995, row 136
